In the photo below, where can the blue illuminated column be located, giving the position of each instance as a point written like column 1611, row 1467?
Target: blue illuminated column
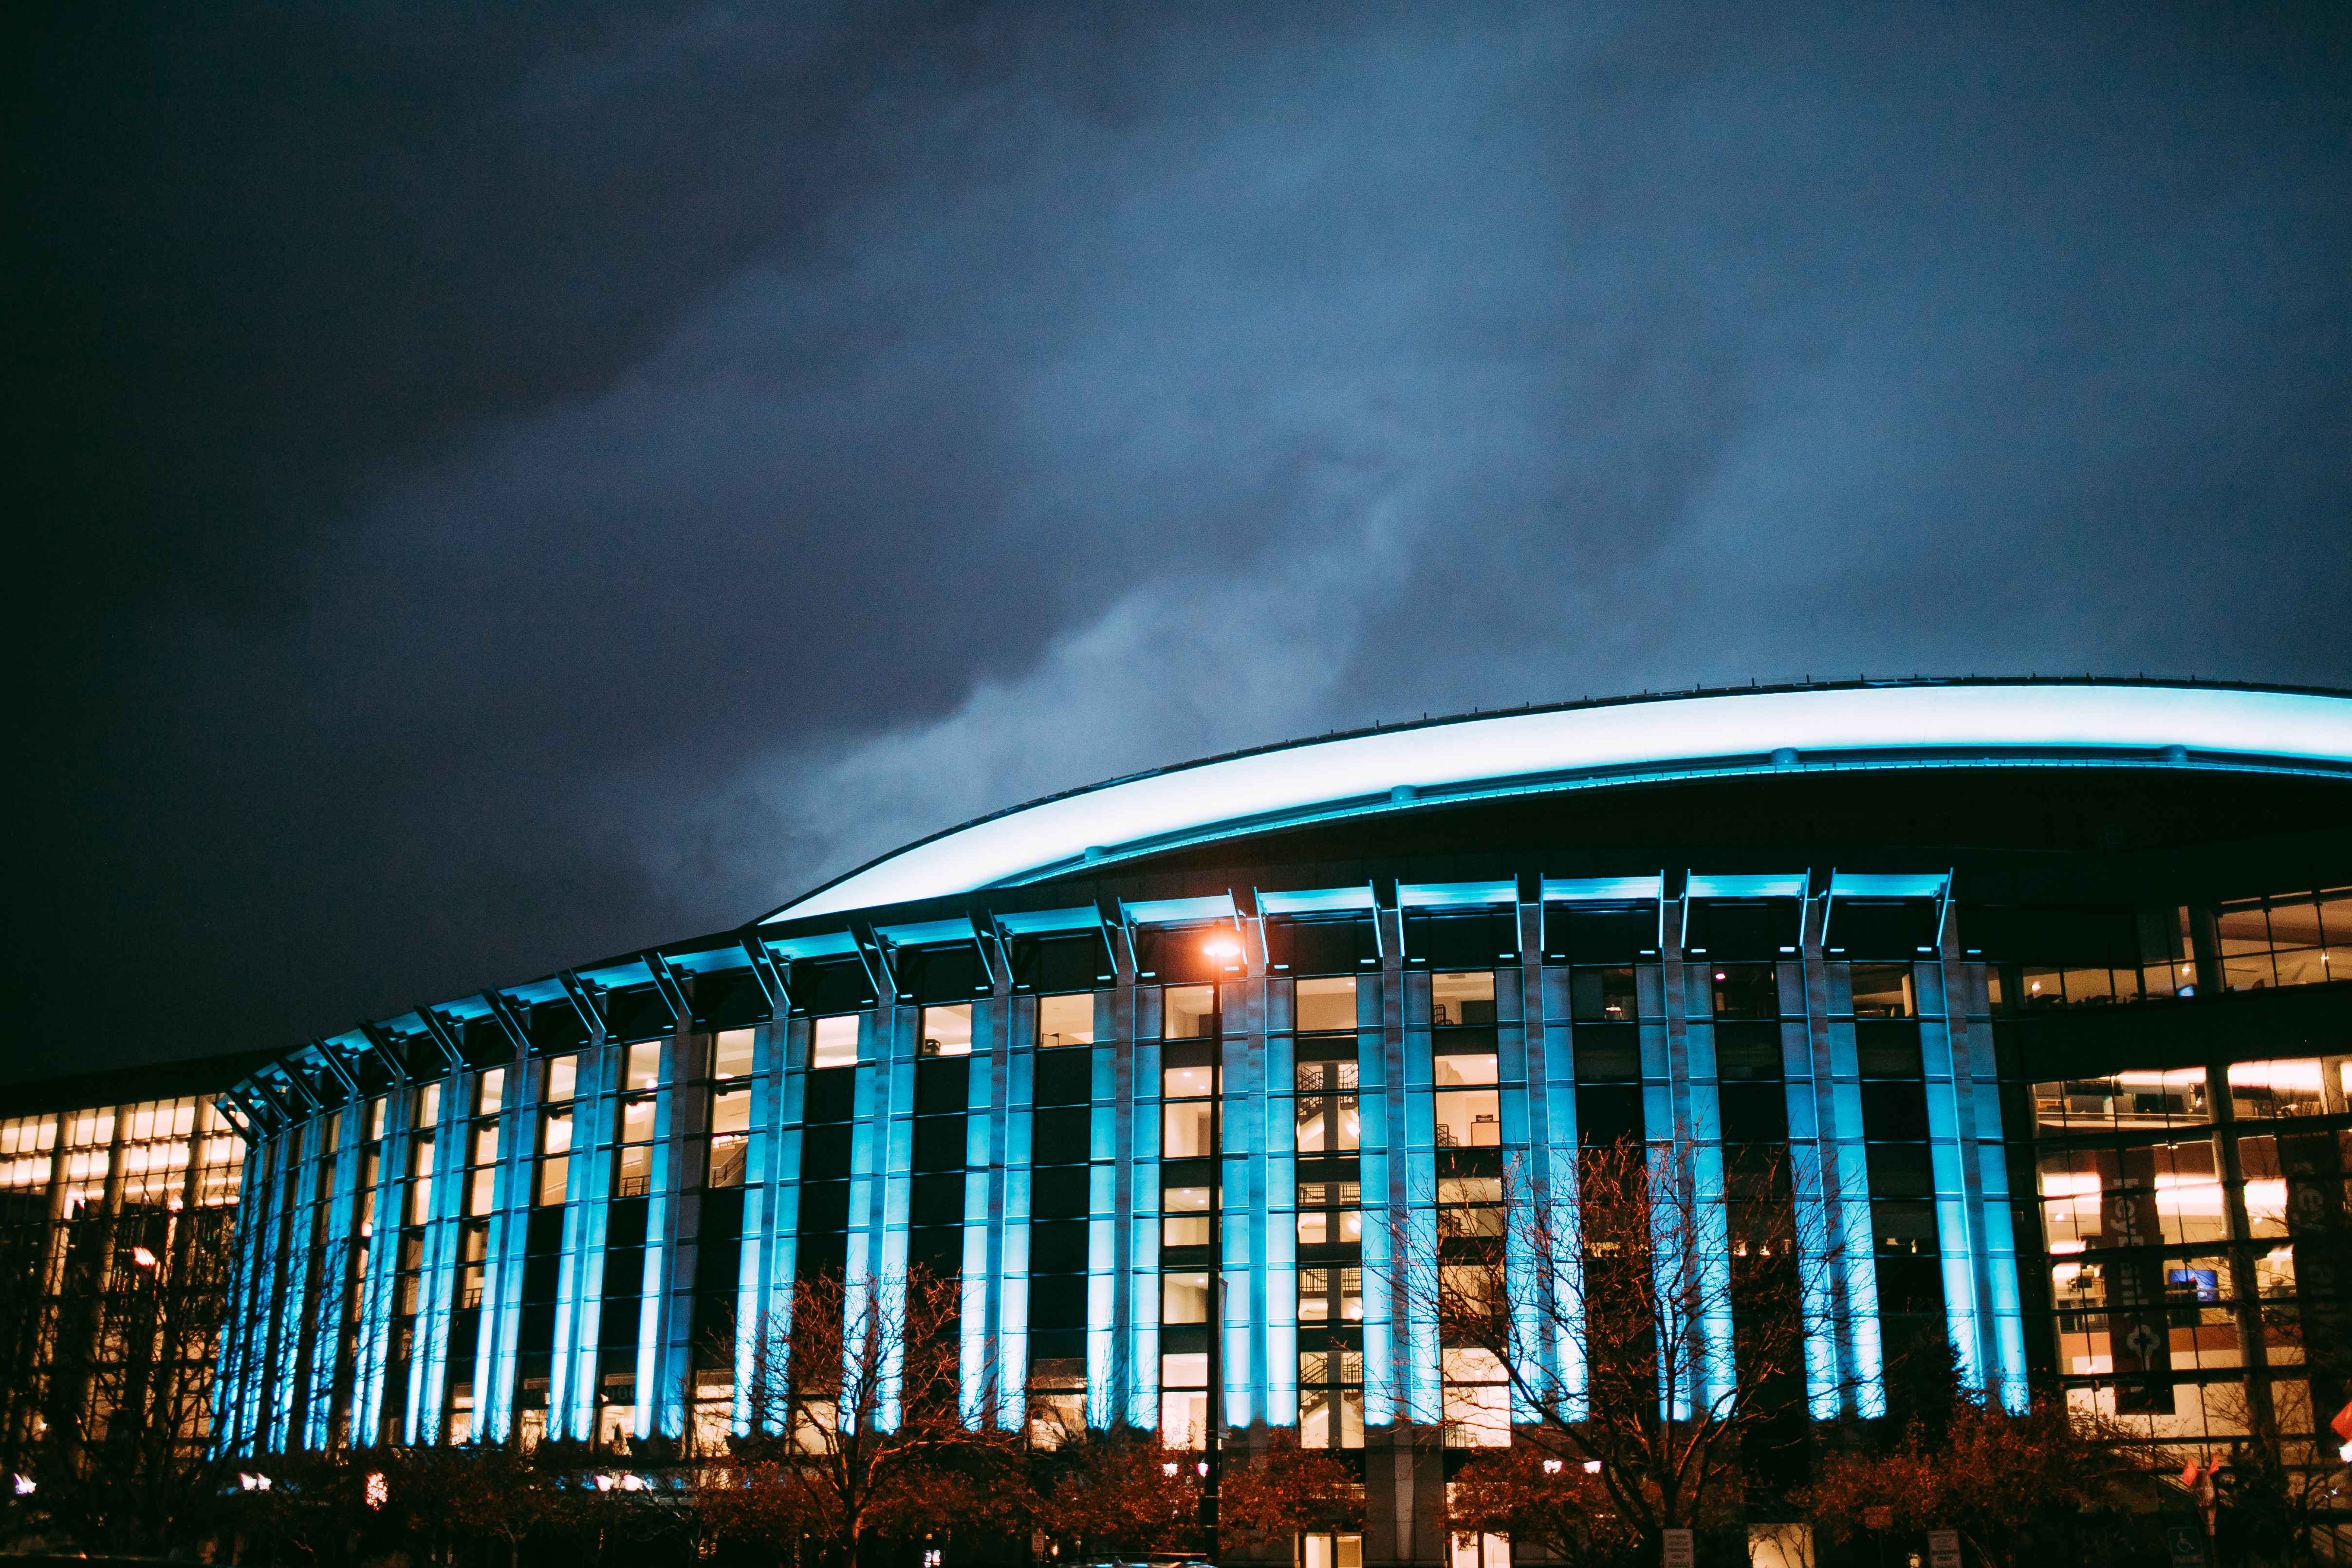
column 1414, row 1253
column 1552, row 1135
column 1104, row 1223
column 1144, row 1238
column 1804, row 1044
column 1280, row 1274
column 983, row 1149
column 1012, row 1309
column 1380, row 1105
column 338, row 1179
column 1697, row 1126
column 1976, row 1075
column 1960, row 1207
column 373, row 1327
column 1847, row 1169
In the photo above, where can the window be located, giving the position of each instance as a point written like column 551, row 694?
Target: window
column 1065, row 1021
column 1478, row 1399
column 1057, row 1401
column 1187, row 1124
column 1184, row 1297
column 562, row 1078
column 633, row 1165
column 1330, row 1295
column 1184, row 1220
column 1747, row 991
column 1326, row 1006
column 1467, row 1118
column 1470, row 1206
column 1328, row 1113
column 1188, row 1012
column 1885, row 991
column 730, row 1123
column 1184, row 1399
column 489, row 1091
column 2261, row 1091
column 1602, row 995
column 730, row 1054
column 482, row 1155
column 2144, row 1099
column 554, row 1157
column 947, row 1030
column 375, row 1116
column 420, row 1178
column 473, row 1255
column 833, row 1040
column 1332, row 1399
column 1462, row 999
column 1329, row 1215
column 644, row 1069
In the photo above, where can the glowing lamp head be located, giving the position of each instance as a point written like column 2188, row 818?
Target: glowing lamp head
column 145, row 1258
column 1169, row 1468
column 1552, row 1467
column 1223, row 947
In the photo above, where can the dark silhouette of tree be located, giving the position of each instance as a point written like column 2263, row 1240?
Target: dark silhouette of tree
column 1642, row 1309
column 2015, row 1486
column 855, row 1396
column 119, row 1330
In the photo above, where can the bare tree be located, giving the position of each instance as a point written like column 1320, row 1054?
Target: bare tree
column 1646, row 1310
column 126, row 1341
column 855, row 1393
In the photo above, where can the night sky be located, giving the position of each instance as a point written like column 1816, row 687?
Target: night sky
column 488, row 493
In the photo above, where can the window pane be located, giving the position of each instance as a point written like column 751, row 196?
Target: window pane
column 1065, row 1021
column 1186, row 1129
column 1453, row 1069
column 1469, row 1118
column 1188, row 1012
column 2295, row 925
column 563, row 1077
column 1184, row 1083
column 1184, row 1299
column 947, row 1030
column 637, row 1119
column 730, row 1054
column 727, row 1158
column 2243, row 930
column 555, row 1133
column 644, row 1064
column 1882, row 991
column 835, row 1041
column 1326, row 1005
column 1459, row 997
column 553, row 1179
column 730, row 1111
column 489, row 1091
column 632, row 1172
column 1601, row 995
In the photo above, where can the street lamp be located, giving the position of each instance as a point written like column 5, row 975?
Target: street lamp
column 1220, row 950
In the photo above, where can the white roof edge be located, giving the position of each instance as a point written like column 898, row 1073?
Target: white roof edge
column 1894, row 719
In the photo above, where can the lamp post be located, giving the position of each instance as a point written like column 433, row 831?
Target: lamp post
column 1219, row 950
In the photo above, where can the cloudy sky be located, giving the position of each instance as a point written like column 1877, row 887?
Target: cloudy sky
column 491, row 492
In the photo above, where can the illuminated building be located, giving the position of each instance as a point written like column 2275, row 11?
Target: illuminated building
column 2031, row 976
column 116, row 1194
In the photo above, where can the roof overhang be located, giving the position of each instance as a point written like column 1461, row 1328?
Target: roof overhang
column 1599, row 745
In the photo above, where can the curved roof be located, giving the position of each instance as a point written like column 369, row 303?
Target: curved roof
column 1589, row 745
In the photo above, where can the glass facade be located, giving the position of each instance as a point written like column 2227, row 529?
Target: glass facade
column 1188, row 1142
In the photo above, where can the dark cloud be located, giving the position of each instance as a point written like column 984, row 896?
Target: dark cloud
column 506, row 489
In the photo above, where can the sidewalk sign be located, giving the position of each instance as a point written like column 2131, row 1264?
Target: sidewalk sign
column 2187, row 1550
column 1944, row 1549
column 1678, row 1552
